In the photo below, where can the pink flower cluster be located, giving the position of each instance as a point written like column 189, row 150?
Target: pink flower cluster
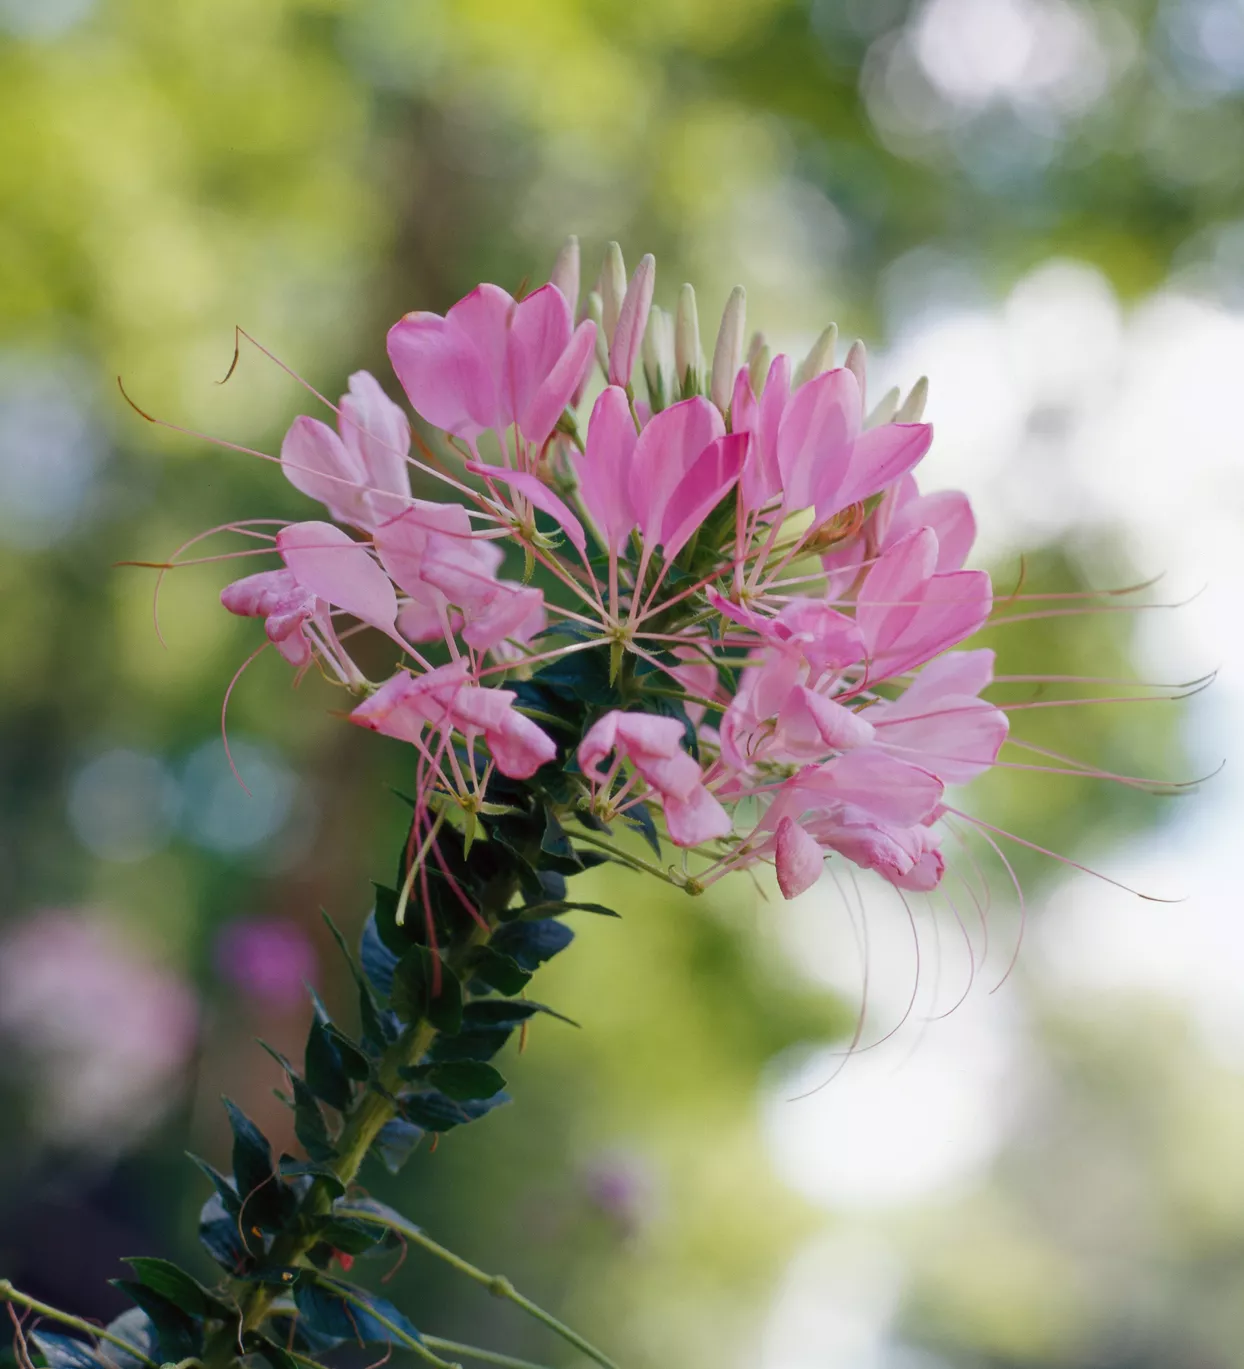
column 742, row 541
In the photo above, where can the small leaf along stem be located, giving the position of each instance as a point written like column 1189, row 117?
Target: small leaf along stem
column 10, row 1294
column 347, row 1294
column 497, row 1285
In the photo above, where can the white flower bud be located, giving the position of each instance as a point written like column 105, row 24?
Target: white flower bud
column 612, row 289
column 632, row 321
column 820, row 357
column 688, row 360
column 758, row 363
column 565, row 273
column 596, row 314
column 728, row 354
column 912, row 408
column 658, row 355
column 886, row 408
column 857, row 364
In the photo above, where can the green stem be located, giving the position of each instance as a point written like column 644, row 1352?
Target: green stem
column 635, row 862
column 497, row 1284
column 484, row 1356
column 347, row 1294
column 10, row 1294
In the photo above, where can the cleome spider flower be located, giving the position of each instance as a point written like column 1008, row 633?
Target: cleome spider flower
column 732, row 617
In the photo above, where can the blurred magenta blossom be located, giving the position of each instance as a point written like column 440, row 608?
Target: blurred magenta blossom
column 101, row 1033
column 268, row 959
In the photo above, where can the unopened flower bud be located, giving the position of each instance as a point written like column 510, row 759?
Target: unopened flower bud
column 857, row 364
column 755, row 346
column 688, row 361
column 612, row 289
column 820, row 357
column 565, row 273
column 632, row 320
column 658, row 357
column 595, row 311
column 758, row 366
column 886, row 408
column 728, row 354
column 912, row 408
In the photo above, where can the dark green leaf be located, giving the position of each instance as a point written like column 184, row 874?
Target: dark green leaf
column 224, row 1185
column 348, row 1234
column 136, row 1328
column 180, row 1336
column 499, row 971
column 530, row 943
column 266, row 1202
column 417, row 995
column 378, row 960
column 276, row 1355
column 379, row 1028
column 291, row 1168
column 326, row 1074
column 309, row 1124
column 639, row 819
column 486, row 1026
column 555, row 842
column 327, row 1312
column 396, row 1140
column 556, row 907
column 218, row 1231
column 177, row 1286
column 465, row 1080
column 64, row 1352
column 436, row 1111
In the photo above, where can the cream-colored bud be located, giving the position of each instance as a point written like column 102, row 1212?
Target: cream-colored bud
column 886, row 408
column 912, row 408
column 820, row 356
column 688, row 360
column 728, row 354
column 612, row 289
column 755, row 347
column 857, row 364
column 658, row 356
column 758, row 367
column 595, row 311
column 566, row 272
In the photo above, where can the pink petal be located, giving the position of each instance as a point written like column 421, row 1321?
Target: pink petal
column 888, row 788
column 419, row 621
column 666, row 449
column 956, row 736
column 632, row 320
column 798, row 858
column 539, row 329
column 560, row 386
column 402, row 543
column 377, row 433
column 879, row 457
column 536, row 492
column 814, row 725
column 816, row 437
column 317, row 462
column 654, row 745
column 949, row 514
column 958, row 672
column 696, row 818
column 605, row 467
column 335, row 568
column 711, row 477
column 508, row 611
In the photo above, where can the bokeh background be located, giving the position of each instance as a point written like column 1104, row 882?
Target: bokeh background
column 1038, row 203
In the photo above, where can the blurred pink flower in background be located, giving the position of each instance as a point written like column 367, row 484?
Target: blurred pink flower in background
column 267, row 959
column 101, row 1034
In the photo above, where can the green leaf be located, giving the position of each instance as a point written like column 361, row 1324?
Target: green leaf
column 466, row 1080
column 326, row 1073
column 436, row 1111
column 177, row 1286
column 413, row 985
column 292, row 1169
column 555, row 842
column 499, row 971
column 276, row 1355
column 180, row 1336
column 265, row 1201
column 378, row 960
column 378, row 1032
column 487, row 1024
column 556, row 907
column 136, row 1328
column 218, row 1232
column 530, row 943
column 348, row 1234
column 395, row 1142
column 64, row 1352
column 324, row 1310
column 309, row 1124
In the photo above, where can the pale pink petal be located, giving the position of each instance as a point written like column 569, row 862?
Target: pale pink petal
column 335, row 568
column 632, row 320
column 888, row 601
column 443, row 374
column 420, row 621
column 958, row 672
column 798, row 858
column 508, row 611
column 696, row 818
column 811, row 726
column 317, row 462
column 536, row 492
column 598, row 741
column 560, row 386
column 949, row 514
column 956, row 735
column 377, row 433
column 890, row 789
column 654, row 745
